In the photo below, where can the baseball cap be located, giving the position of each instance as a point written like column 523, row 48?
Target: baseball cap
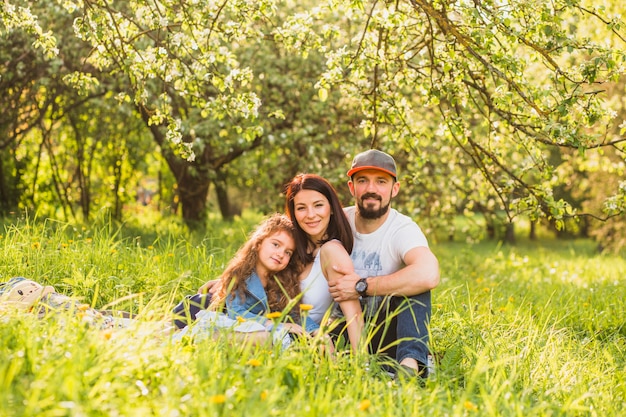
column 373, row 159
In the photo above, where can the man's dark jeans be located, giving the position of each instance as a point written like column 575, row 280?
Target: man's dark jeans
column 401, row 327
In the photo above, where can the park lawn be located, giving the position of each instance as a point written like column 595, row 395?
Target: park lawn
column 532, row 329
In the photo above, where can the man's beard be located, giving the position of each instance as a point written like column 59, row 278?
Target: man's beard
column 371, row 214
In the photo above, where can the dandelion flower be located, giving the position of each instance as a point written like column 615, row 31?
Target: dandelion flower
column 240, row 319
column 217, row 399
column 365, row 404
column 470, row 406
column 273, row 315
column 254, row 362
column 263, row 395
column 305, row 307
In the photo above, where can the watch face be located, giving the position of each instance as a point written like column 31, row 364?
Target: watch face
column 361, row 286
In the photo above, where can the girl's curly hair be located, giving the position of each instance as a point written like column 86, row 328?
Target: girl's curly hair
column 282, row 287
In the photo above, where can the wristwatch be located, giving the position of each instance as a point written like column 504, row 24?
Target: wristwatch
column 361, row 287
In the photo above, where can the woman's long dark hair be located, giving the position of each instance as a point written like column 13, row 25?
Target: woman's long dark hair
column 338, row 227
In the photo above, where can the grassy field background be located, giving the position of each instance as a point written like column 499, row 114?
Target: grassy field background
column 531, row 329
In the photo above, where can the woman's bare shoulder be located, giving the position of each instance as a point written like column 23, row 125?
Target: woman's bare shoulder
column 333, row 248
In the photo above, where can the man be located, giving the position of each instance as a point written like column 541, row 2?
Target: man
column 394, row 267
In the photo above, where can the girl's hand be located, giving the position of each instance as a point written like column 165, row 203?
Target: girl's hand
column 294, row 328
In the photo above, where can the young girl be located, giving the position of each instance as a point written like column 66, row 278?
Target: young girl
column 323, row 239
column 261, row 278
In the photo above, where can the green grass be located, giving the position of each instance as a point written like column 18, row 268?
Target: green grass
column 534, row 329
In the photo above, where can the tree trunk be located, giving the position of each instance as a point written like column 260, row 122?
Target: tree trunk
column 509, row 233
column 193, row 191
column 533, row 230
column 4, row 194
column 227, row 209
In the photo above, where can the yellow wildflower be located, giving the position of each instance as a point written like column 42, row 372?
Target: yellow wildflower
column 470, row 406
column 240, row 319
column 263, row 395
column 254, row 362
column 217, row 399
column 365, row 404
column 305, row 307
column 273, row 315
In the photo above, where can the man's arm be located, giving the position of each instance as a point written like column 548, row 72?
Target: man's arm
column 420, row 274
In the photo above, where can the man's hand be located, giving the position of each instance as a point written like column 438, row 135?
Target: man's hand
column 342, row 289
column 209, row 287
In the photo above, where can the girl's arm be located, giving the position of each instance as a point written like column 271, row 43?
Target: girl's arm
column 333, row 254
column 236, row 307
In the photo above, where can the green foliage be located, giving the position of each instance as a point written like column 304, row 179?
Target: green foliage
column 534, row 329
column 486, row 106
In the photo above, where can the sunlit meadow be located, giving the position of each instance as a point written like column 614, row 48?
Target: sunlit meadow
column 533, row 329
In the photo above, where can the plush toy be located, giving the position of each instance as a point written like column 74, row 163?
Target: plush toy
column 27, row 295
column 23, row 293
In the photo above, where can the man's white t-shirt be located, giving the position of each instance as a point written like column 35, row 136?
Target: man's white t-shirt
column 382, row 251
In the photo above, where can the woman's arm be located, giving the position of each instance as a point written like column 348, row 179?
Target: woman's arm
column 209, row 287
column 334, row 254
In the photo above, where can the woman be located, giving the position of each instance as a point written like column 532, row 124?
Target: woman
column 323, row 239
